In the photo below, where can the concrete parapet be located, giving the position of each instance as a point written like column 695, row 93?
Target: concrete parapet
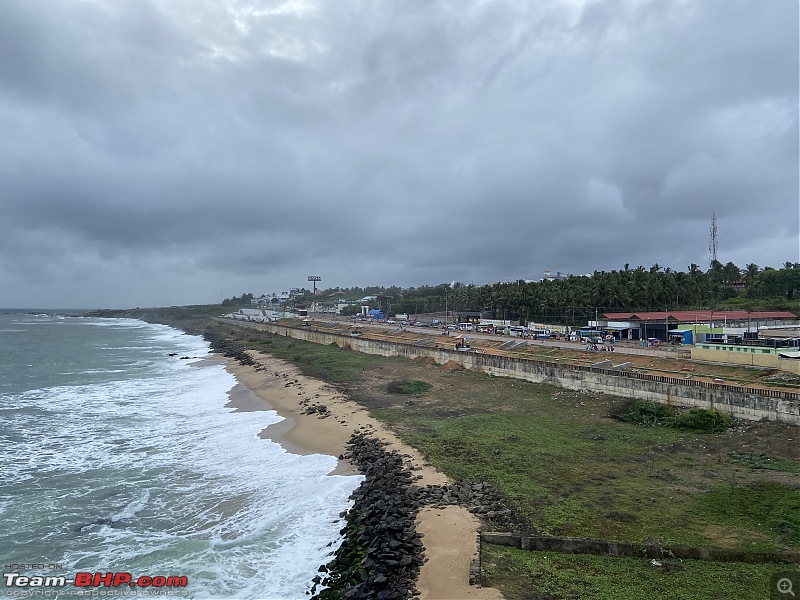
column 502, row 538
column 626, row 549
column 603, row 364
column 622, row 366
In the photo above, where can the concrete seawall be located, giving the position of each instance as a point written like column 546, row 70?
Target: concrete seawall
column 740, row 402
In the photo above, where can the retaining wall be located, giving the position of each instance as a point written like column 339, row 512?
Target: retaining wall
column 740, row 402
column 609, row 548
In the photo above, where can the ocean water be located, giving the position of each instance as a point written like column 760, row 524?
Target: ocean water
column 116, row 457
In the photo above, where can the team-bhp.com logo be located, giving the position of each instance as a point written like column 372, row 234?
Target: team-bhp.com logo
column 88, row 580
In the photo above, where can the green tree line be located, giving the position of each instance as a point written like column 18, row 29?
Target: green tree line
column 578, row 298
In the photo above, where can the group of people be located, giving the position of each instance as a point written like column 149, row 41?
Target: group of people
column 597, row 348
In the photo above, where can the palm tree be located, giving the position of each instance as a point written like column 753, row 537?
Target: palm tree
column 697, row 285
column 731, row 274
column 751, row 280
column 618, row 296
column 680, row 280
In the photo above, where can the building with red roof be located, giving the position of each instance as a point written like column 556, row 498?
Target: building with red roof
column 663, row 325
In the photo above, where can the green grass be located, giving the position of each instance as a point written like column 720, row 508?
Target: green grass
column 551, row 473
column 763, row 506
column 613, row 481
column 762, row 460
column 328, row 363
column 549, row 575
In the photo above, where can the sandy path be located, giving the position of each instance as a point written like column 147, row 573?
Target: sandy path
column 448, row 531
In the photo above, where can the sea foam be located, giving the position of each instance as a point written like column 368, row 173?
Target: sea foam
column 144, row 470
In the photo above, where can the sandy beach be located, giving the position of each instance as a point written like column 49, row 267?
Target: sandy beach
column 450, row 534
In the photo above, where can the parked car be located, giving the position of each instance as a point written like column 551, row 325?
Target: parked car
column 391, row 322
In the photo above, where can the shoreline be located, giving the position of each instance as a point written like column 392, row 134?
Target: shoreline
column 450, row 533
column 281, row 387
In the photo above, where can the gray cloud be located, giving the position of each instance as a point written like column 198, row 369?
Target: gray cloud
column 177, row 148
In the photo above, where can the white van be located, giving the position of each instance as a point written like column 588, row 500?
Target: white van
column 465, row 326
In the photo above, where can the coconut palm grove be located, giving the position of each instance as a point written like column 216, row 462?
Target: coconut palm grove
column 578, row 298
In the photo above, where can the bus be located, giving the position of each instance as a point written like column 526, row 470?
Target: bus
column 594, row 336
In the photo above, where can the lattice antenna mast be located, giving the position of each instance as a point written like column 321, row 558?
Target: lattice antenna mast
column 712, row 243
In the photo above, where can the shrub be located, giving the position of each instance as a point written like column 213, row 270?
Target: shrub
column 644, row 413
column 701, row 420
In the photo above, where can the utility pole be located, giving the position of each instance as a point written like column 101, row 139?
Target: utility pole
column 666, row 325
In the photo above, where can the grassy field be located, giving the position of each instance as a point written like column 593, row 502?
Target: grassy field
column 327, row 363
column 548, row 575
column 570, row 469
column 573, row 471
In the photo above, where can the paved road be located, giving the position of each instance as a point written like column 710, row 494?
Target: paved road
column 620, row 348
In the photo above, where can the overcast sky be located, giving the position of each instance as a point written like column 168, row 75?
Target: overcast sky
column 159, row 152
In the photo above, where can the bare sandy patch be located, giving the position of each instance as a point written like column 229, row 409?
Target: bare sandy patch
column 450, row 545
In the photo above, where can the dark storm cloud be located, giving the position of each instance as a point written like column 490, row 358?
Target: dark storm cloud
column 197, row 145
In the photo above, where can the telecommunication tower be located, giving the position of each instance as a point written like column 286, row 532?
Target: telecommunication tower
column 712, row 243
